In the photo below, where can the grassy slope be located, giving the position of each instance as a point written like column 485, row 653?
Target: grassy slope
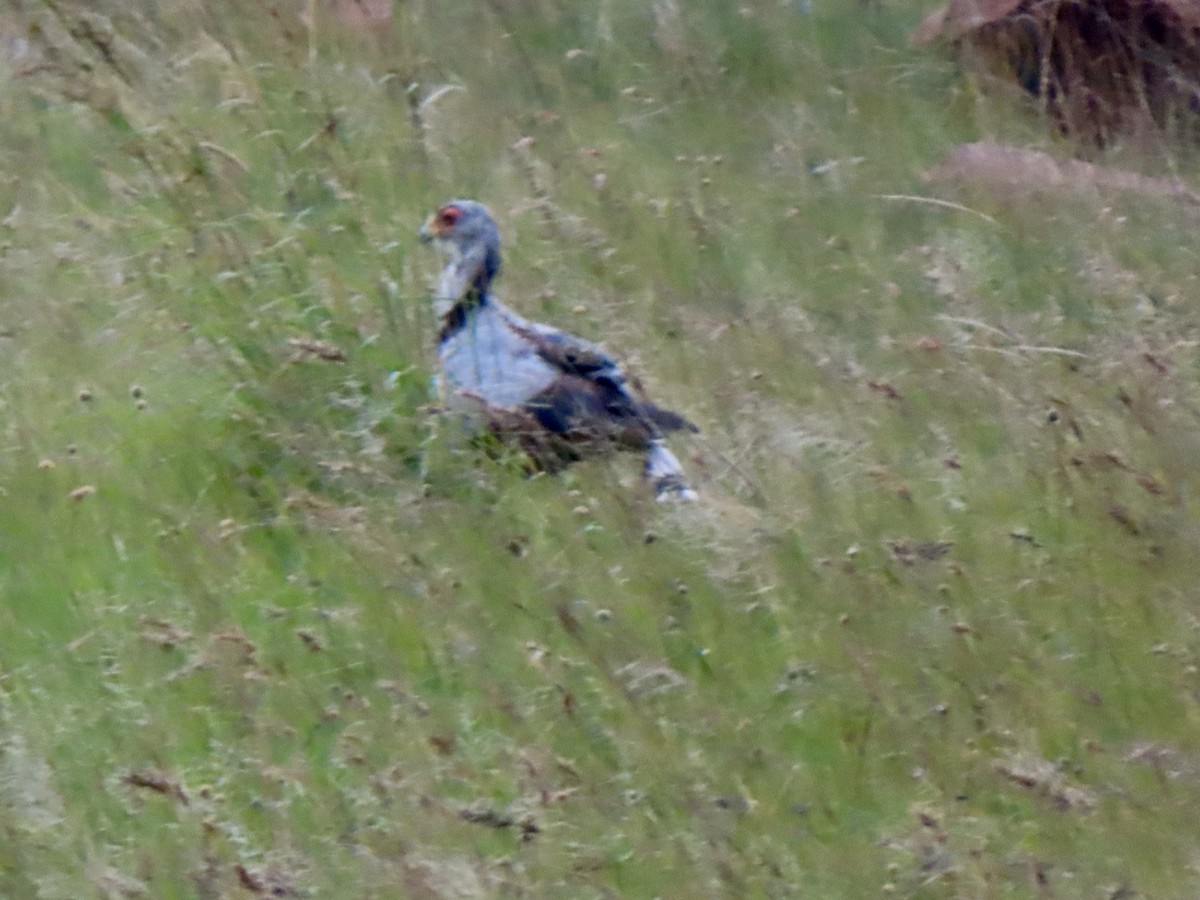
column 300, row 626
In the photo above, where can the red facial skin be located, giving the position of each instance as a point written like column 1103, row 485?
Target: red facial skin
column 444, row 220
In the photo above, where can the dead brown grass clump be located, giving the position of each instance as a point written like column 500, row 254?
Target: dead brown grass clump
column 1100, row 68
column 1004, row 171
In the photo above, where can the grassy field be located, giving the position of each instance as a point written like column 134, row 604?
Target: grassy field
column 269, row 626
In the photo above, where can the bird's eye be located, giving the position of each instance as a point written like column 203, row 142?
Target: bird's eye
column 448, row 215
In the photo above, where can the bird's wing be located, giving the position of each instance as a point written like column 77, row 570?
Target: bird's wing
column 594, row 385
column 571, row 354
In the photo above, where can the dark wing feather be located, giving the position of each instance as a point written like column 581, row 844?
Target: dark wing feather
column 591, row 410
column 572, row 354
column 666, row 419
column 593, row 394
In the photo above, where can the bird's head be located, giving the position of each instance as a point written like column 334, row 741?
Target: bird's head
column 466, row 234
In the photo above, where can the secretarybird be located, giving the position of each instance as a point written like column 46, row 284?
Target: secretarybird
column 558, row 396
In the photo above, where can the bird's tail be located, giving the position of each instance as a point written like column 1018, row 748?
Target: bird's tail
column 665, row 419
column 666, row 474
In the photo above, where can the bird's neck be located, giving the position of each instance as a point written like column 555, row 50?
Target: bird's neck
column 457, row 317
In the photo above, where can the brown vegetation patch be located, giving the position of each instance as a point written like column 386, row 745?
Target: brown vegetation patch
column 157, row 782
column 1100, row 68
column 1046, row 780
column 1002, row 169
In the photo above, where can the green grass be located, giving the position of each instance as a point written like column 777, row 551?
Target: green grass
column 267, row 625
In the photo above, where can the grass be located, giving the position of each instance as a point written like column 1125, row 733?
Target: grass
column 269, row 626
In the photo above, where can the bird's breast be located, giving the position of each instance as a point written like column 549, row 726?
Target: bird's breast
column 487, row 358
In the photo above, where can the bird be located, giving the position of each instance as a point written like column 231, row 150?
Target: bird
column 559, row 396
